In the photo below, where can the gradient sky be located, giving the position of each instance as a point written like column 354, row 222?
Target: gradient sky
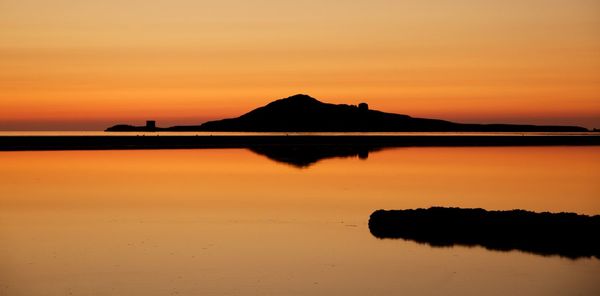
column 85, row 65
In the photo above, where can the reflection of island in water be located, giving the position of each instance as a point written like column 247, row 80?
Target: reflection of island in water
column 565, row 234
column 303, row 156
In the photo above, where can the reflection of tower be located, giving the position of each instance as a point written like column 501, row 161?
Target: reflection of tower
column 363, row 154
column 150, row 124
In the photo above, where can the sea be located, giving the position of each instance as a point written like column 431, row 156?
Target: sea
column 238, row 222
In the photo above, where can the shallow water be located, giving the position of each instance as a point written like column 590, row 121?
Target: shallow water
column 232, row 222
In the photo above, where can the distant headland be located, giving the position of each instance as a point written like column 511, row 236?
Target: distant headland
column 303, row 113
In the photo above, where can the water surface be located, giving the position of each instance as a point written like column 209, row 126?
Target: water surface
column 233, row 222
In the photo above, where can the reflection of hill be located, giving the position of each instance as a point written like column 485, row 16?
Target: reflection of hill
column 306, row 155
column 564, row 234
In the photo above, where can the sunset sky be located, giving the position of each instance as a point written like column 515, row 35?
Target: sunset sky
column 86, row 65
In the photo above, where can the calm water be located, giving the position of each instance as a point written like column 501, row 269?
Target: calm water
column 232, row 222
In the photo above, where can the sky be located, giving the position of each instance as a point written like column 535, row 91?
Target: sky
column 86, row 65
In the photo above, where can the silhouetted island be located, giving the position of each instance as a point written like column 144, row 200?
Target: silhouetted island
column 566, row 234
column 302, row 113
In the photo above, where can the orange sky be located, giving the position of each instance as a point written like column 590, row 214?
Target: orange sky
column 74, row 65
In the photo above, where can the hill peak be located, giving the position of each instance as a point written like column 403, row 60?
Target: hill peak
column 298, row 99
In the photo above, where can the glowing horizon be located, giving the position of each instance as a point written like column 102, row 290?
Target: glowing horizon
column 74, row 65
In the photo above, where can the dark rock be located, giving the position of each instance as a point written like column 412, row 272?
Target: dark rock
column 565, row 234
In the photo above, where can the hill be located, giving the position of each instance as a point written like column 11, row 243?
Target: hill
column 302, row 113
